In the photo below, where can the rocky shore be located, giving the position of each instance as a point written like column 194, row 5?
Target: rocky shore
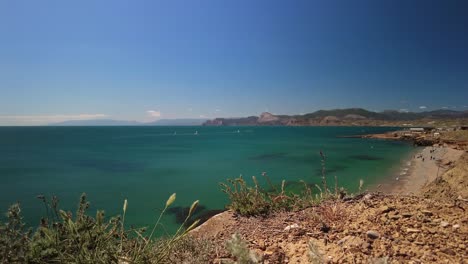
column 423, row 220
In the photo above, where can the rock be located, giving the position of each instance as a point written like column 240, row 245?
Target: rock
column 289, row 227
column 412, row 230
column 386, row 209
column 267, row 117
column 407, row 215
column 444, row 224
column 448, row 251
column 395, row 217
column 456, row 226
column 426, row 212
column 372, row 234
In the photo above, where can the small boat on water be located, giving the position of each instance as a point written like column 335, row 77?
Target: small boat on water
column 196, row 133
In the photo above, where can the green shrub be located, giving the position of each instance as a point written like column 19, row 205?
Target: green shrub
column 64, row 238
column 14, row 239
column 250, row 200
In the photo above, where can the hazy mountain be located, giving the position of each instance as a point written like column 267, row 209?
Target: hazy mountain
column 96, row 122
column 350, row 116
column 111, row 122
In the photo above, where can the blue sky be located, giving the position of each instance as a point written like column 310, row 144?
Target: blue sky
column 144, row 60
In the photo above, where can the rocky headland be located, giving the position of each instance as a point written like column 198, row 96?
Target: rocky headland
column 349, row 117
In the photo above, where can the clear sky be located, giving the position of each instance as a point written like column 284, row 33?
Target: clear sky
column 143, row 60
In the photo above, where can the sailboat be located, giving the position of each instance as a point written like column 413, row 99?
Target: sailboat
column 196, row 132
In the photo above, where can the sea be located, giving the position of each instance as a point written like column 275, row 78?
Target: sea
column 146, row 164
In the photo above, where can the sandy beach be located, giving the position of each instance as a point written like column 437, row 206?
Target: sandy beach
column 423, row 168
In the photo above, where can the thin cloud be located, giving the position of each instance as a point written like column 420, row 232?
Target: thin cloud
column 422, row 107
column 154, row 113
column 217, row 110
column 403, row 110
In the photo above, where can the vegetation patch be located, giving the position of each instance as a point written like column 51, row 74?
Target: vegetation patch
column 64, row 237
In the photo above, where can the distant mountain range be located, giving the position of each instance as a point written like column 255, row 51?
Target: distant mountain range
column 96, row 122
column 335, row 117
column 350, row 116
column 111, row 122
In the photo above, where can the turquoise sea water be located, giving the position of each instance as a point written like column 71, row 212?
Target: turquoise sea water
column 147, row 164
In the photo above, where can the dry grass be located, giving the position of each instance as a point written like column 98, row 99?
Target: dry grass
column 460, row 135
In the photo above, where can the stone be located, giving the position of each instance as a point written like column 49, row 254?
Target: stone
column 412, row 230
column 289, row 227
column 395, row 217
column 426, row 212
column 385, row 209
column 407, row 214
column 444, row 224
column 372, row 234
column 456, row 226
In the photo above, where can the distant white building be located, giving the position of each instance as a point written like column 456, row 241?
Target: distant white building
column 416, row 129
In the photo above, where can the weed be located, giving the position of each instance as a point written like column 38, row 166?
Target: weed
column 246, row 200
column 252, row 200
column 66, row 238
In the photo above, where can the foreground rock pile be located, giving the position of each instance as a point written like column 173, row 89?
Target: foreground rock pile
column 372, row 227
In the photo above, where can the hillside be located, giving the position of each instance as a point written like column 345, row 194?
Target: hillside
column 350, row 117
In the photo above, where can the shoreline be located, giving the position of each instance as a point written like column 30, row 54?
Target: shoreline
column 419, row 169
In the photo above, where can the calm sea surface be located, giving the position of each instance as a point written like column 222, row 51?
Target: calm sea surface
column 147, row 164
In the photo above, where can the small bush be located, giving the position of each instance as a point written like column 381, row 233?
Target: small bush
column 250, row 200
column 64, row 238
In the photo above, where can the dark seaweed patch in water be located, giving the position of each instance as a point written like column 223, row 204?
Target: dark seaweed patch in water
column 330, row 169
column 201, row 214
column 365, row 157
column 269, row 156
column 110, row 165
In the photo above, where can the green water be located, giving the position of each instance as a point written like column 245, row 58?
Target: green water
column 147, row 164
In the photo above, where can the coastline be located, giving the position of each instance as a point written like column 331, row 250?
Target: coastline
column 421, row 169
column 419, row 217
